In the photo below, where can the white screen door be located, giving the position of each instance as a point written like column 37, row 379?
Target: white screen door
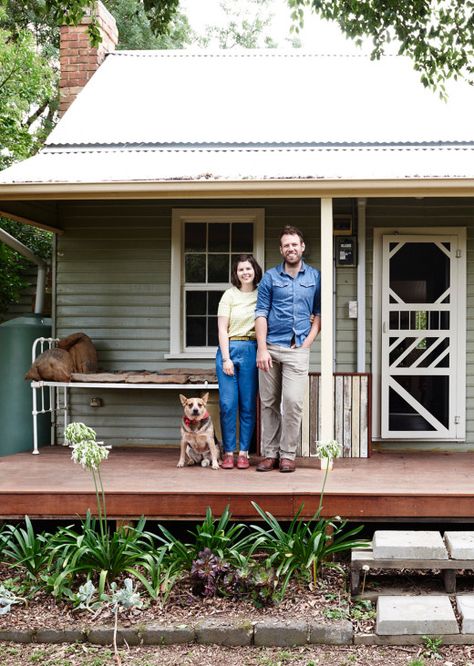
column 420, row 308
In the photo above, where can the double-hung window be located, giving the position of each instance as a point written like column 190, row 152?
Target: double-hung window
column 204, row 246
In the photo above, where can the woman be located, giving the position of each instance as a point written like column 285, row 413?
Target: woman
column 236, row 360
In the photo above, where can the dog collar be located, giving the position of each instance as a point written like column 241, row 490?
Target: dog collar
column 189, row 421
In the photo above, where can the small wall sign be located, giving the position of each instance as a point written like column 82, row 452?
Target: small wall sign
column 346, row 250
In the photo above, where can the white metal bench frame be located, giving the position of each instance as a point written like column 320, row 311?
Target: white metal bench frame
column 56, row 404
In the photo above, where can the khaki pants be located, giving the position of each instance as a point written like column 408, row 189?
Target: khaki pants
column 282, row 391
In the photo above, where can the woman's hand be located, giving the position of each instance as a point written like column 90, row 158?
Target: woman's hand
column 228, row 367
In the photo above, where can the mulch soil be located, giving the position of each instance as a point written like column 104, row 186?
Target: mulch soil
column 328, row 602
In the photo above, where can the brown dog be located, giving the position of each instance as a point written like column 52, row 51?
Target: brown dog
column 198, row 442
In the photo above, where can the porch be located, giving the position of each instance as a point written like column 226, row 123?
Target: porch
column 385, row 487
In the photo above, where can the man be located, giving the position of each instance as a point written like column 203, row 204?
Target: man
column 288, row 296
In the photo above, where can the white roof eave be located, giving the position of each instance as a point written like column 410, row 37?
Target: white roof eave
column 275, row 188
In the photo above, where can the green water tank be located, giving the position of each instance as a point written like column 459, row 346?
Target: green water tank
column 16, row 339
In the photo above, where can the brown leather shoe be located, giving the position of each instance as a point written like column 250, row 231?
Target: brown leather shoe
column 287, row 465
column 267, row 464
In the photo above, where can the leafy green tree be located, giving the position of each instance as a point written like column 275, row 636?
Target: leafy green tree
column 246, row 26
column 438, row 35
column 136, row 31
column 44, row 17
column 13, row 267
column 27, row 85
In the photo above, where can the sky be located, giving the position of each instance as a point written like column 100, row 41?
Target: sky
column 317, row 35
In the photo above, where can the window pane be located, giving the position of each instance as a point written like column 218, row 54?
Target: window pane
column 214, row 298
column 195, row 331
column 212, row 338
column 219, row 237
column 218, row 268
column 195, row 236
column 242, row 238
column 195, row 268
column 196, row 302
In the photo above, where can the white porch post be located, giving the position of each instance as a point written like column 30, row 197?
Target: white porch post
column 361, row 223
column 327, row 351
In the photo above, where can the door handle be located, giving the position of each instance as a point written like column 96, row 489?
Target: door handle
column 384, row 327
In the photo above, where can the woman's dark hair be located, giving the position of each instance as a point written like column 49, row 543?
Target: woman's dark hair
column 251, row 259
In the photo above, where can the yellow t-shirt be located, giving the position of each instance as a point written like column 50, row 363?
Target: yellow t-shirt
column 239, row 306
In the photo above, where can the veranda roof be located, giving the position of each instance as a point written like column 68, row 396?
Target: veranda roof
column 161, row 116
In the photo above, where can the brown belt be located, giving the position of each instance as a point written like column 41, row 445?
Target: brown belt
column 241, row 337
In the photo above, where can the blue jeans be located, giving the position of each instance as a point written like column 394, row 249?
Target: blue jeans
column 238, row 392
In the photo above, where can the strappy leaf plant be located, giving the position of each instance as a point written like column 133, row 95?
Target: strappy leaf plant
column 22, row 548
column 301, row 548
column 219, row 535
column 93, row 551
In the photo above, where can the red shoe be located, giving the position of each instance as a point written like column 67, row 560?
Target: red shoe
column 228, row 461
column 243, row 462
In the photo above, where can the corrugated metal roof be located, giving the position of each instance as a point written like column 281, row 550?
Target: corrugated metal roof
column 255, row 115
column 355, row 163
column 261, row 96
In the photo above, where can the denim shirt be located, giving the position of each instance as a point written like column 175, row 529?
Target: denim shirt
column 288, row 302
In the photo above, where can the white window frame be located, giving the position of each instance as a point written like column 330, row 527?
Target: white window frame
column 179, row 217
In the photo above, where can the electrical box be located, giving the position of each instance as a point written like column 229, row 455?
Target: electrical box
column 346, row 250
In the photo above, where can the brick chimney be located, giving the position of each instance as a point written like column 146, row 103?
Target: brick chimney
column 78, row 59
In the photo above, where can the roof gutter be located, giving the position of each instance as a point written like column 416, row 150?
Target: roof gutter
column 221, row 189
column 16, row 245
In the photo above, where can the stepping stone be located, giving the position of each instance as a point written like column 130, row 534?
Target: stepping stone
column 402, row 616
column 460, row 545
column 465, row 603
column 408, row 545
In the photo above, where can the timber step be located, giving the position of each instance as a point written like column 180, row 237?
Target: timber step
column 363, row 561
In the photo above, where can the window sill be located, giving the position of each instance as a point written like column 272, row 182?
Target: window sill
column 204, row 355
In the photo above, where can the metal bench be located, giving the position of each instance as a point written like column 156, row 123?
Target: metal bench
column 53, row 397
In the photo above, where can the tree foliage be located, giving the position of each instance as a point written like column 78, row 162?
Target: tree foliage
column 438, row 35
column 137, row 32
column 246, row 26
column 13, row 266
column 70, row 12
column 27, row 87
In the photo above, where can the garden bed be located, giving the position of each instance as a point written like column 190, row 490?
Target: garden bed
column 329, row 601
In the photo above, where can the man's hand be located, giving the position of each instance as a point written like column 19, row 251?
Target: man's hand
column 264, row 360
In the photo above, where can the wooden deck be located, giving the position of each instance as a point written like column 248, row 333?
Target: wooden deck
column 387, row 486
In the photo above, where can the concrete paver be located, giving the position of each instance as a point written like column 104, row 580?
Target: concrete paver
column 460, row 545
column 465, row 604
column 409, row 544
column 405, row 615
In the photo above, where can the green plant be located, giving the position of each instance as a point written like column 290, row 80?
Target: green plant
column 363, row 610
column 85, row 598
column 98, row 551
column 300, row 549
column 416, row 662
column 160, row 572
column 336, row 613
column 253, row 582
column 23, row 549
column 219, row 535
column 7, row 599
column 432, row 647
